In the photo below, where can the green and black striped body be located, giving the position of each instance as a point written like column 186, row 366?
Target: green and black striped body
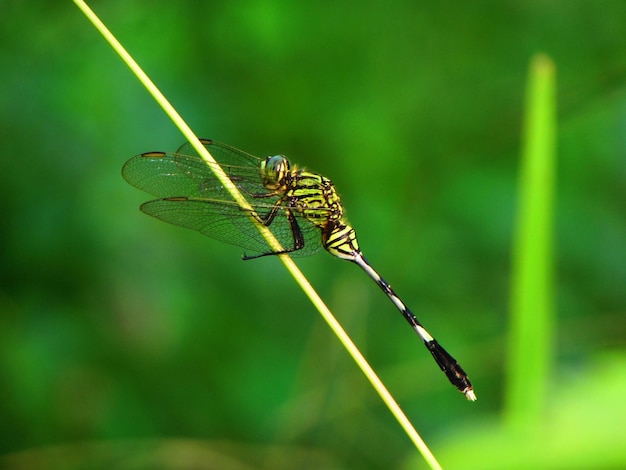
column 301, row 208
column 315, row 197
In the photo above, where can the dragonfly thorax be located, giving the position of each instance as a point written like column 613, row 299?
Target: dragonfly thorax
column 274, row 171
column 315, row 197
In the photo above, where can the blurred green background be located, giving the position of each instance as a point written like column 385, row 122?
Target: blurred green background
column 129, row 343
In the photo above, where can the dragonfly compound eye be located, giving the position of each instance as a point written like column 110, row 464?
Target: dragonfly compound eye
column 273, row 171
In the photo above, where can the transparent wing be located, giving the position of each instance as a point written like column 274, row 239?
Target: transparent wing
column 184, row 173
column 194, row 198
column 229, row 223
column 222, row 153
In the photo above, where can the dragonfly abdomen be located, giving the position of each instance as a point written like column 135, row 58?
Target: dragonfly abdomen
column 339, row 239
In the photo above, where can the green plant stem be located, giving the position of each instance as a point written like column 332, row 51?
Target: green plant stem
column 530, row 335
column 286, row 260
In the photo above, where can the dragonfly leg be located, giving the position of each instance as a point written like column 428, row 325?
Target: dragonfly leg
column 298, row 238
column 269, row 218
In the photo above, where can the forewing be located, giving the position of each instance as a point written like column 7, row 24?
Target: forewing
column 194, row 198
column 222, row 153
column 184, row 173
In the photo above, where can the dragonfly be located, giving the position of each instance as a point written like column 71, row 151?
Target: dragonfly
column 302, row 209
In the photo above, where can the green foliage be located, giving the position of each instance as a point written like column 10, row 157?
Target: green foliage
column 532, row 300
column 123, row 337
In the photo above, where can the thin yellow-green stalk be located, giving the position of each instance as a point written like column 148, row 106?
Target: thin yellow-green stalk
column 286, row 260
column 530, row 335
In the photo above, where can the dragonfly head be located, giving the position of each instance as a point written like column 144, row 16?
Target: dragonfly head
column 274, row 170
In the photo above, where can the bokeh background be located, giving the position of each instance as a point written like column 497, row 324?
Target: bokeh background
column 129, row 343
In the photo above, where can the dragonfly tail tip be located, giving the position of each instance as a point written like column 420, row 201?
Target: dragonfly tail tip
column 469, row 394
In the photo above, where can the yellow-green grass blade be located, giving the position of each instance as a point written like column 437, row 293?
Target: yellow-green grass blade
column 530, row 339
column 343, row 337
